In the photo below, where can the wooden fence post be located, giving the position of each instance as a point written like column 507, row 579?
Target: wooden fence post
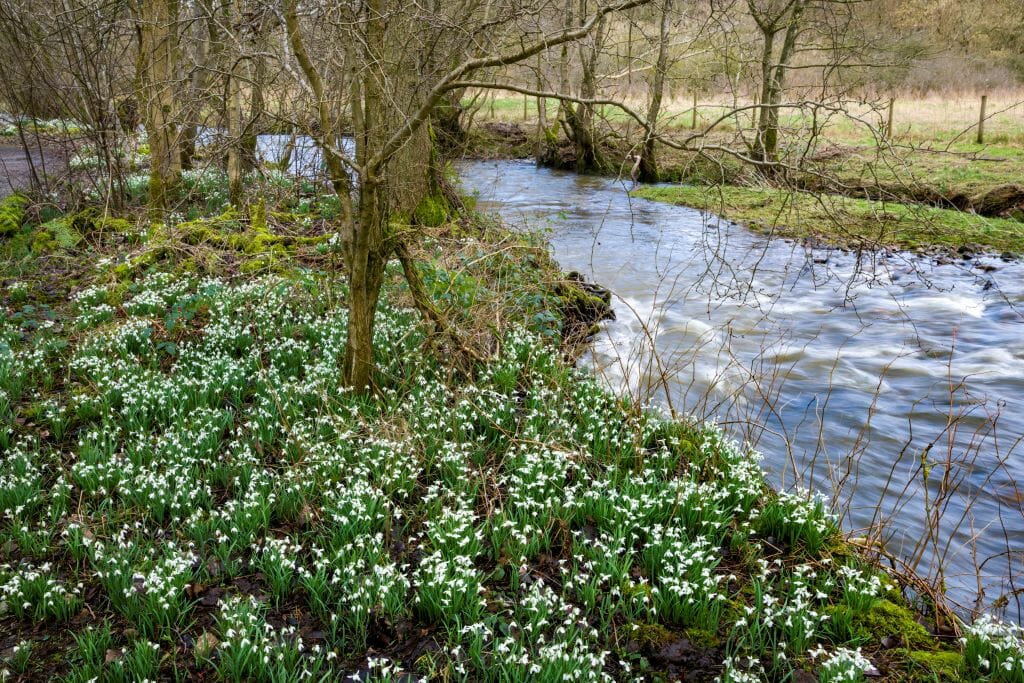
column 693, row 119
column 888, row 121
column 981, row 120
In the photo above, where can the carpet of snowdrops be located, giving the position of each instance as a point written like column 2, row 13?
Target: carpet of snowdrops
column 187, row 490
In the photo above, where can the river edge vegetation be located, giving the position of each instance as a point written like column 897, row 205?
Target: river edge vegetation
column 190, row 490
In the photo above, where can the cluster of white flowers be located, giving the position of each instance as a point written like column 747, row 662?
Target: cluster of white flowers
column 995, row 649
column 687, row 589
column 453, row 531
column 250, row 648
column 535, row 482
column 21, row 479
column 741, row 670
column 860, row 587
column 146, row 582
column 841, row 665
column 448, row 587
column 35, row 591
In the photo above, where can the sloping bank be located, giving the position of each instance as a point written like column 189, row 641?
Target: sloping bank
column 188, row 491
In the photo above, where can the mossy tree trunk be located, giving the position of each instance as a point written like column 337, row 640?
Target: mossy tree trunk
column 446, row 121
column 233, row 106
column 202, row 33
column 245, row 103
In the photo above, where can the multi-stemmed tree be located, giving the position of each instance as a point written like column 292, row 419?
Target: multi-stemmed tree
column 382, row 69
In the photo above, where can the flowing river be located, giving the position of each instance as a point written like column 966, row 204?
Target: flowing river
column 889, row 382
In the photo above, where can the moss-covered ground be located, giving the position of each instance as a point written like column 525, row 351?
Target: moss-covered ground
column 189, row 492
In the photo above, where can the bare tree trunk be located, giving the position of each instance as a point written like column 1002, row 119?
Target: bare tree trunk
column 773, row 75
column 196, row 86
column 254, row 122
column 447, row 123
column 648, row 172
column 158, row 50
column 366, row 252
column 234, row 112
column 542, row 112
column 580, row 117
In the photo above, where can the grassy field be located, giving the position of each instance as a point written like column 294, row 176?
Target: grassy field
column 189, row 492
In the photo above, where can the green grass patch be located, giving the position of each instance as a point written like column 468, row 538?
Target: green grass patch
column 843, row 221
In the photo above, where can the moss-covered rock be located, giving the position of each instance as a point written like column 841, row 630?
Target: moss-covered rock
column 651, row 635
column 582, row 306
column 886, row 619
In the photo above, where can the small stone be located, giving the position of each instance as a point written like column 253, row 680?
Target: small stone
column 307, row 515
column 112, row 656
column 211, row 598
column 206, row 644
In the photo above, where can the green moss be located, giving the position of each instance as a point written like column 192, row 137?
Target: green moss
column 946, row 667
column 123, row 271
column 13, row 210
column 887, row 619
column 259, row 242
column 262, row 264
column 216, row 230
column 432, row 211
column 701, row 637
column 651, row 635
column 42, row 242
column 61, row 233
column 118, row 225
column 55, row 235
column 258, row 217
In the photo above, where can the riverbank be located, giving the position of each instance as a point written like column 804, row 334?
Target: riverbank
column 836, row 220
column 190, row 492
column 928, row 193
